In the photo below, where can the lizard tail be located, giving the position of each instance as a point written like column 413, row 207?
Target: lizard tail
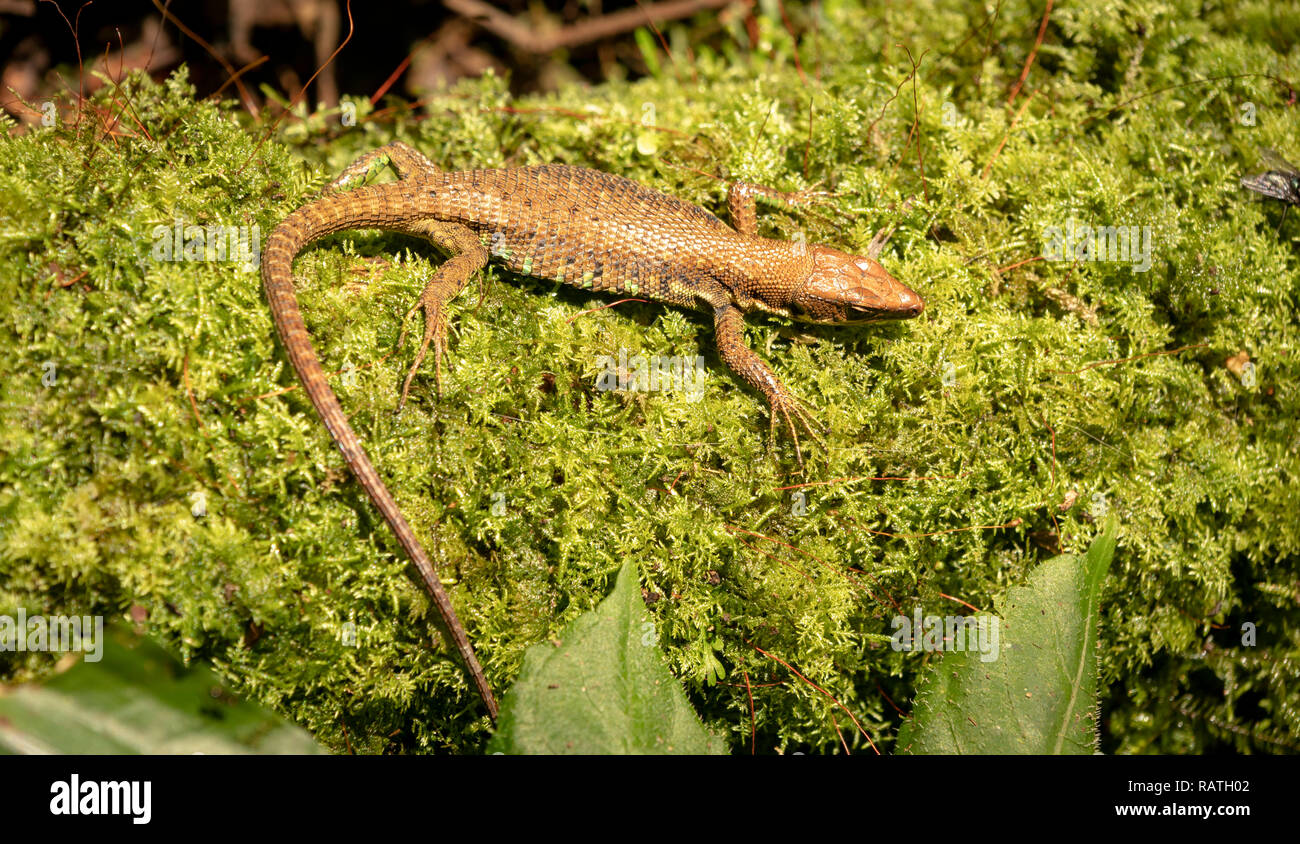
column 309, row 223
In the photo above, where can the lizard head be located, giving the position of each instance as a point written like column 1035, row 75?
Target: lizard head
column 845, row 288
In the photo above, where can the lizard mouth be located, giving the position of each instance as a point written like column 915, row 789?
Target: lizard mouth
column 896, row 302
column 863, row 316
column 902, row 303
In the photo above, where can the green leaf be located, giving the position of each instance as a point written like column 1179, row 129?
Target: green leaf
column 603, row 689
column 139, row 699
column 1039, row 695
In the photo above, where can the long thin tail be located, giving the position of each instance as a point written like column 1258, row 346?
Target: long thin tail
column 362, row 208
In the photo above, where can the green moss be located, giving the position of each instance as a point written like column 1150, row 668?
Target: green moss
column 168, row 383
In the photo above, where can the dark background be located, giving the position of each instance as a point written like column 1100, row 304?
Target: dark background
column 428, row 44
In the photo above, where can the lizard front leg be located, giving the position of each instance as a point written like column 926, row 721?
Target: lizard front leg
column 729, row 331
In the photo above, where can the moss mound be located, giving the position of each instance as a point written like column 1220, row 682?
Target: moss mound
column 158, row 463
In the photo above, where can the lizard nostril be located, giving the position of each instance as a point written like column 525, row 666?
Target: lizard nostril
column 909, row 303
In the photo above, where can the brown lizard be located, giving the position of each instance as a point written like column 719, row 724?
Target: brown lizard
column 587, row 229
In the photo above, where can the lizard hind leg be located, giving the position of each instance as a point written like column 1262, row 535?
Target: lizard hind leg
column 468, row 256
column 406, row 161
column 744, row 213
column 467, row 253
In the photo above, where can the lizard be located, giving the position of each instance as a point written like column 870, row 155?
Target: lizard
column 583, row 228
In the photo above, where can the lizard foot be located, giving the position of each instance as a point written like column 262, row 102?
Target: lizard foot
column 808, row 199
column 786, row 407
column 435, row 334
column 813, row 195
